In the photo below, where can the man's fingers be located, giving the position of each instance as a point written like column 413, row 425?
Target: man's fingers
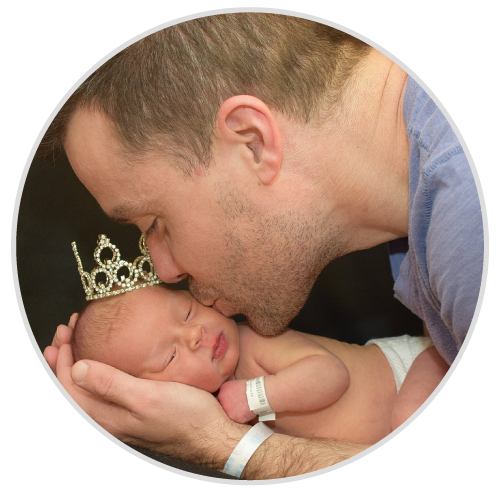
column 141, row 398
column 112, row 385
column 72, row 320
column 115, row 419
column 64, row 333
column 139, row 411
column 62, row 336
column 50, row 355
column 64, row 363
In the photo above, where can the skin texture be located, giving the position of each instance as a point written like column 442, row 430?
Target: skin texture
column 241, row 230
column 166, row 335
column 225, row 206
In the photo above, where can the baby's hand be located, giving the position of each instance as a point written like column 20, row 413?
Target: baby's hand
column 233, row 398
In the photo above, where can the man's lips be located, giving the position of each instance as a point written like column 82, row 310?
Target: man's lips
column 224, row 308
column 220, row 347
column 214, row 306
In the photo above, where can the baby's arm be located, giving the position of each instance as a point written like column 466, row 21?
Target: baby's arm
column 301, row 375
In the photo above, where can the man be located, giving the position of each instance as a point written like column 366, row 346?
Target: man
column 253, row 149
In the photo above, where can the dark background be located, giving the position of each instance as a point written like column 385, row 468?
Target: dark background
column 352, row 300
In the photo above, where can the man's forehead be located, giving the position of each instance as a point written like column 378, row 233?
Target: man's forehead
column 92, row 149
column 90, row 127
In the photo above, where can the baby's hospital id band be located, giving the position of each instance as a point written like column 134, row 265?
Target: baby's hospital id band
column 246, row 448
column 257, row 399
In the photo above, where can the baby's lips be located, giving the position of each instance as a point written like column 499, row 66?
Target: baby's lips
column 220, row 346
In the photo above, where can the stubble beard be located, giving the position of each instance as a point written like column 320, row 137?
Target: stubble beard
column 268, row 272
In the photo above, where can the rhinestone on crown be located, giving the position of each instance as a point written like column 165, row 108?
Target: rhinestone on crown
column 110, row 268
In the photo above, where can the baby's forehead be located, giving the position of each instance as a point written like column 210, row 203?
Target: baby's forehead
column 171, row 293
column 161, row 292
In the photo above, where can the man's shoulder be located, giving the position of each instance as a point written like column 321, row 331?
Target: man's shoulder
column 431, row 137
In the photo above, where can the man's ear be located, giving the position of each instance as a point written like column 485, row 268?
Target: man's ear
column 246, row 124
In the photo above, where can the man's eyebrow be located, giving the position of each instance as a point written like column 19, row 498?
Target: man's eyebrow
column 125, row 213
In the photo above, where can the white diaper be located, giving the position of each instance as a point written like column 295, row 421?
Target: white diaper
column 401, row 353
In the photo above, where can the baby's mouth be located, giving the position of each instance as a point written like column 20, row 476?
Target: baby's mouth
column 220, row 347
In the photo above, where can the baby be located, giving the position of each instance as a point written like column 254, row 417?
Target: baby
column 317, row 386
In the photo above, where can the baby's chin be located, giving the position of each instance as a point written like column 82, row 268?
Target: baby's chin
column 216, row 392
column 212, row 389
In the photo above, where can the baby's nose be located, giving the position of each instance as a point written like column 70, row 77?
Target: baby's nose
column 195, row 336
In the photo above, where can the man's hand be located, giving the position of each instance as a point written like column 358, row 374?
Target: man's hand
column 63, row 336
column 233, row 398
column 180, row 420
column 166, row 417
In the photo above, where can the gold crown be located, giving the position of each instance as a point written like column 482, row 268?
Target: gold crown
column 111, row 267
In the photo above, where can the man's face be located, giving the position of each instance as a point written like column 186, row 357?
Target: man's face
column 242, row 252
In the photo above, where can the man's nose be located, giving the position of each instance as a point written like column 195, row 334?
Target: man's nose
column 165, row 265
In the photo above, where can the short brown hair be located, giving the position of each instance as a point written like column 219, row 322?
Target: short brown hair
column 164, row 92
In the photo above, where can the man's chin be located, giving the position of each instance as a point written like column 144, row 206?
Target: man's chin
column 266, row 327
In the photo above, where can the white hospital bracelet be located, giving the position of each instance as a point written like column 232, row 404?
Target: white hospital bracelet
column 257, row 399
column 246, row 448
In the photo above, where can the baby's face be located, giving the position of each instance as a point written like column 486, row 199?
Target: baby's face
column 170, row 336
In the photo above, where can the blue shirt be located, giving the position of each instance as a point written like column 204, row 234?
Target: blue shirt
column 438, row 268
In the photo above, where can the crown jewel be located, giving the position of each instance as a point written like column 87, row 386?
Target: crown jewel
column 110, row 268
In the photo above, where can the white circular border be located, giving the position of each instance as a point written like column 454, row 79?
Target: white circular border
column 107, row 434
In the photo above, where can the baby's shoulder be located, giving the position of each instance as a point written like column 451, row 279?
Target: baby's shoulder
column 254, row 347
column 265, row 349
column 250, row 349
column 249, row 338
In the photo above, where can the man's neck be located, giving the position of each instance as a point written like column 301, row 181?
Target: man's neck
column 366, row 156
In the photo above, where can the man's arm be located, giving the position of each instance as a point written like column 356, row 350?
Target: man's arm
column 285, row 456
column 182, row 421
column 146, row 415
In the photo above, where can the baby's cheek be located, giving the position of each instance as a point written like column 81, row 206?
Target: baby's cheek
column 206, row 378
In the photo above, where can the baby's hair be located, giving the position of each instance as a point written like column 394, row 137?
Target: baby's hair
column 96, row 325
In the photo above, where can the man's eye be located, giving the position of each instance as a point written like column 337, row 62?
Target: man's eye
column 151, row 229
